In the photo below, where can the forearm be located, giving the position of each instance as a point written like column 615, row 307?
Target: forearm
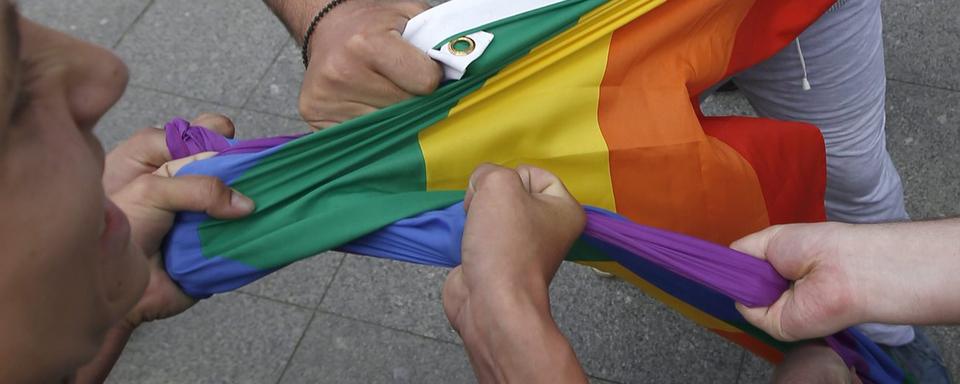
column 517, row 341
column 910, row 270
column 99, row 368
column 296, row 15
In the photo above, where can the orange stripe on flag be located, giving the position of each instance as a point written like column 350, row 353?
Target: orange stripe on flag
column 666, row 172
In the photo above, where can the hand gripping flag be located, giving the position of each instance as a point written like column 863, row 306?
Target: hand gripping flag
column 600, row 92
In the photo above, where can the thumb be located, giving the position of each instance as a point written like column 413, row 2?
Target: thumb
column 541, row 181
column 197, row 194
column 756, row 244
column 768, row 319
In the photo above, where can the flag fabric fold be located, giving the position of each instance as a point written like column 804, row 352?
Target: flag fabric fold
column 598, row 92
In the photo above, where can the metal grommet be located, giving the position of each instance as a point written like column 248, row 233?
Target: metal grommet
column 461, row 46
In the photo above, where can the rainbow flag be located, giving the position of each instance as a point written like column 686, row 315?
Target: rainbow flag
column 600, row 92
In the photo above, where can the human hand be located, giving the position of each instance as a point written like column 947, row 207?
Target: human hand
column 139, row 180
column 146, row 151
column 359, row 62
column 829, row 283
column 520, row 225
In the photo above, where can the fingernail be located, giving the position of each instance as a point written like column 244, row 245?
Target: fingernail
column 238, row 200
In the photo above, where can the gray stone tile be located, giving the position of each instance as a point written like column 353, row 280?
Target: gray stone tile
column 340, row 350
column 393, row 294
column 622, row 335
column 947, row 338
column 727, row 104
column 256, row 124
column 922, row 38
column 231, row 338
column 755, row 370
column 99, row 21
column 302, row 283
column 140, row 108
column 214, row 50
column 923, row 134
column 279, row 90
column 594, row 380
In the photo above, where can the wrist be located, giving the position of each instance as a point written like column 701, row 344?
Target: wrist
column 499, row 332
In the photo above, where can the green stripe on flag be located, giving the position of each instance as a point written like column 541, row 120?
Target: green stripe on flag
column 333, row 186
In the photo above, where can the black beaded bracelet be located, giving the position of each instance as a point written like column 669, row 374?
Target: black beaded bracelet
column 305, row 51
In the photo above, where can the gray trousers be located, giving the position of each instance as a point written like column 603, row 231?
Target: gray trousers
column 843, row 56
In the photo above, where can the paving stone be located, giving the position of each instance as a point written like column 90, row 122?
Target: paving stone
column 594, row 380
column 393, row 294
column 755, row 370
column 340, row 350
column 302, row 283
column 99, row 21
column 727, row 104
column 279, row 91
column 922, row 38
column 139, row 108
column 214, row 50
column 231, row 338
column 256, row 124
column 622, row 335
column 947, row 338
column 923, row 134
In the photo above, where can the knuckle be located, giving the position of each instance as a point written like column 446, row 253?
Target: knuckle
column 215, row 119
column 212, row 187
column 338, row 72
column 429, row 80
column 499, row 177
column 360, row 43
column 142, row 187
column 311, row 108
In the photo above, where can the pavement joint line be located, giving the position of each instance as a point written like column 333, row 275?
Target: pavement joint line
column 369, row 322
column 191, row 98
column 313, row 315
column 918, row 84
column 289, row 359
column 276, row 58
column 257, row 110
column 343, row 257
column 214, row 103
column 275, row 300
column 132, row 24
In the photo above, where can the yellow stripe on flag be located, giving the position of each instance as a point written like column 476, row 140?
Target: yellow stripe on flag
column 539, row 107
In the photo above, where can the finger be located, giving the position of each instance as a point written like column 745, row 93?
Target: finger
column 480, row 176
column 768, row 319
column 197, row 194
column 343, row 79
column 146, row 146
column 541, row 181
column 756, row 244
column 217, row 123
column 402, row 63
column 324, row 115
column 171, row 168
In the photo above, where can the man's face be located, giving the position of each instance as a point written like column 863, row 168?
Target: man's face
column 66, row 274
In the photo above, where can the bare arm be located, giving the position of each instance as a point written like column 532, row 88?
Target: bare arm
column 520, row 224
column 903, row 273
column 296, row 15
column 358, row 62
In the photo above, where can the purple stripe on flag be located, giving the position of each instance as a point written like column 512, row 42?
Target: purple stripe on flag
column 184, row 139
column 741, row 277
